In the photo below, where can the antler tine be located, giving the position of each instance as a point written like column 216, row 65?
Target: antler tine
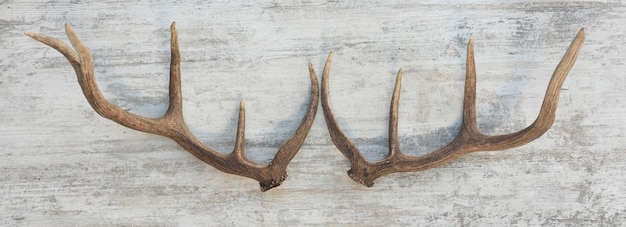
column 175, row 109
column 240, row 139
column 58, row 45
column 89, row 86
column 394, row 147
column 341, row 141
column 469, row 127
column 172, row 124
column 547, row 113
column 288, row 149
column 360, row 167
column 469, row 138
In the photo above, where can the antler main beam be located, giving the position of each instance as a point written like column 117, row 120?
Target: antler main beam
column 469, row 138
column 172, row 124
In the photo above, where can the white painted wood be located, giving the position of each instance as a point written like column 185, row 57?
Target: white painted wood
column 63, row 165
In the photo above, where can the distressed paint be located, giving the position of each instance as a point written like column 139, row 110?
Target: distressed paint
column 61, row 164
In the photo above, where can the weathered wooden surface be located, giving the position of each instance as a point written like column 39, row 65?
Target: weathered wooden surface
column 63, row 165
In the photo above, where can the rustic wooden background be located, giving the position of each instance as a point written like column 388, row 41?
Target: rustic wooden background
column 63, row 165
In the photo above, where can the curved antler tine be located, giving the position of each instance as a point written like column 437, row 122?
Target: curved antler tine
column 86, row 77
column 558, row 77
column 80, row 60
column 341, row 141
column 360, row 168
column 288, row 149
column 469, row 127
column 394, row 147
column 547, row 113
column 89, row 86
column 58, row 45
column 82, row 51
column 175, row 108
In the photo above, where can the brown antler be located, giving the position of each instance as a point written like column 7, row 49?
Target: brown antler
column 172, row 125
column 469, row 138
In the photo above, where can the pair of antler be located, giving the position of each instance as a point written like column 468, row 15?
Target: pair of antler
column 172, row 124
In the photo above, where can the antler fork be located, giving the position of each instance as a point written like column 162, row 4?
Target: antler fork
column 172, row 125
column 469, row 138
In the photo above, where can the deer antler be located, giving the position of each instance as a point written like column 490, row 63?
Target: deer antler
column 469, row 138
column 172, row 125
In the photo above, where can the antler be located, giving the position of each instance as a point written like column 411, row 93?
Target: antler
column 469, row 138
column 172, row 125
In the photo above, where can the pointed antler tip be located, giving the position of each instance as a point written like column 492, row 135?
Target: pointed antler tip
column 330, row 56
column 312, row 73
column 173, row 26
column 68, row 28
column 398, row 79
column 29, row 34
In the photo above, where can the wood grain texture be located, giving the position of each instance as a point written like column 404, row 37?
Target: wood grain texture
column 63, row 165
